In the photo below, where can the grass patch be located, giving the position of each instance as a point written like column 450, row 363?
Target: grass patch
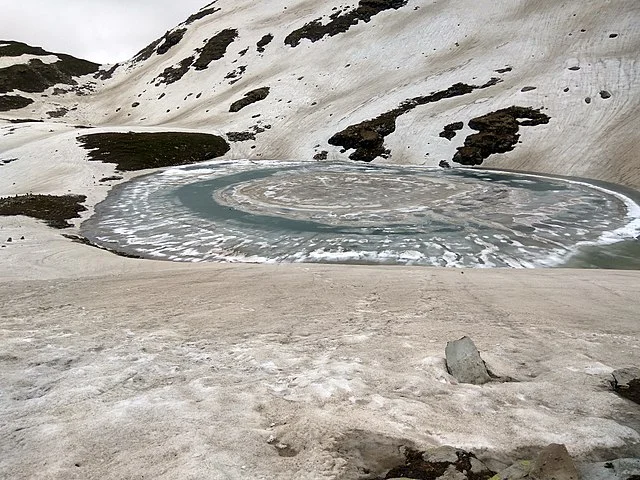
column 139, row 151
column 13, row 102
column 54, row 210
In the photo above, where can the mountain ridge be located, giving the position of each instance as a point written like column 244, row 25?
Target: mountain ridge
column 354, row 61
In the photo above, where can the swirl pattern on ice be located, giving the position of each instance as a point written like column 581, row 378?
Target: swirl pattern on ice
column 318, row 212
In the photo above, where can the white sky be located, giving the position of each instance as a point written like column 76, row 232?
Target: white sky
column 104, row 31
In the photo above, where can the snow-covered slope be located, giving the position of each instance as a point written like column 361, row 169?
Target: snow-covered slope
column 326, row 66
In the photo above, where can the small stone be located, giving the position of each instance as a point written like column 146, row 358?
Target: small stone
column 464, row 362
column 604, row 94
column 554, row 462
column 613, row 35
column 626, row 382
column 587, row 100
column 9, row 240
column 527, row 89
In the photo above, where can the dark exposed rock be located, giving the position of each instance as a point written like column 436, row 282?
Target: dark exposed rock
column 174, row 73
column 240, row 136
column 236, row 74
column 433, row 464
column 604, row 94
column 263, row 42
column 139, row 151
column 215, row 48
column 54, row 210
column 58, row 113
column 626, row 382
column 367, row 138
column 105, row 74
column 587, row 100
column 85, row 241
column 201, row 14
column 342, row 22
column 110, row 179
column 444, row 164
column 613, row 35
column 504, row 70
column 574, row 69
column 135, row 104
column 250, row 97
column 147, row 51
column 450, row 130
column 37, row 76
column 13, row 102
column 161, row 45
column 527, row 89
column 498, row 133
column 171, row 39
column 464, row 362
column 321, row 155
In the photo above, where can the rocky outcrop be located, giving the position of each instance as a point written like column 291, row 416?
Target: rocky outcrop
column 340, row 22
column 36, row 76
column 626, row 382
column 215, row 48
column 498, row 133
column 367, row 138
column 250, row 97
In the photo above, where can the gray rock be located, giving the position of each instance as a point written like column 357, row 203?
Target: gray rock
column 626, row 381
column 452, row 473
column 554, row 463
column 441, row 455
column 464, row 362
column 518, row 471
column 620, row 469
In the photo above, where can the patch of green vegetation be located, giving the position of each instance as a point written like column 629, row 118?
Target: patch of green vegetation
column 250, row 97
column 215, row 48
column 13, row 102
column 54, row 210
column 37, row 76
column 139, row 151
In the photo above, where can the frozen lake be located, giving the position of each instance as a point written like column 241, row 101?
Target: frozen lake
column 249, row 211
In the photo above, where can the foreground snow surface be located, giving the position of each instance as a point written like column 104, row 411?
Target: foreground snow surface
column 194, row 371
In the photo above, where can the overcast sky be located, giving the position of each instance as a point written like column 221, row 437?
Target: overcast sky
column 105, row 31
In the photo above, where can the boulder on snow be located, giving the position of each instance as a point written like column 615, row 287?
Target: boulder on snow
column 464, row 362
column 554, row 462
column 626, row 382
